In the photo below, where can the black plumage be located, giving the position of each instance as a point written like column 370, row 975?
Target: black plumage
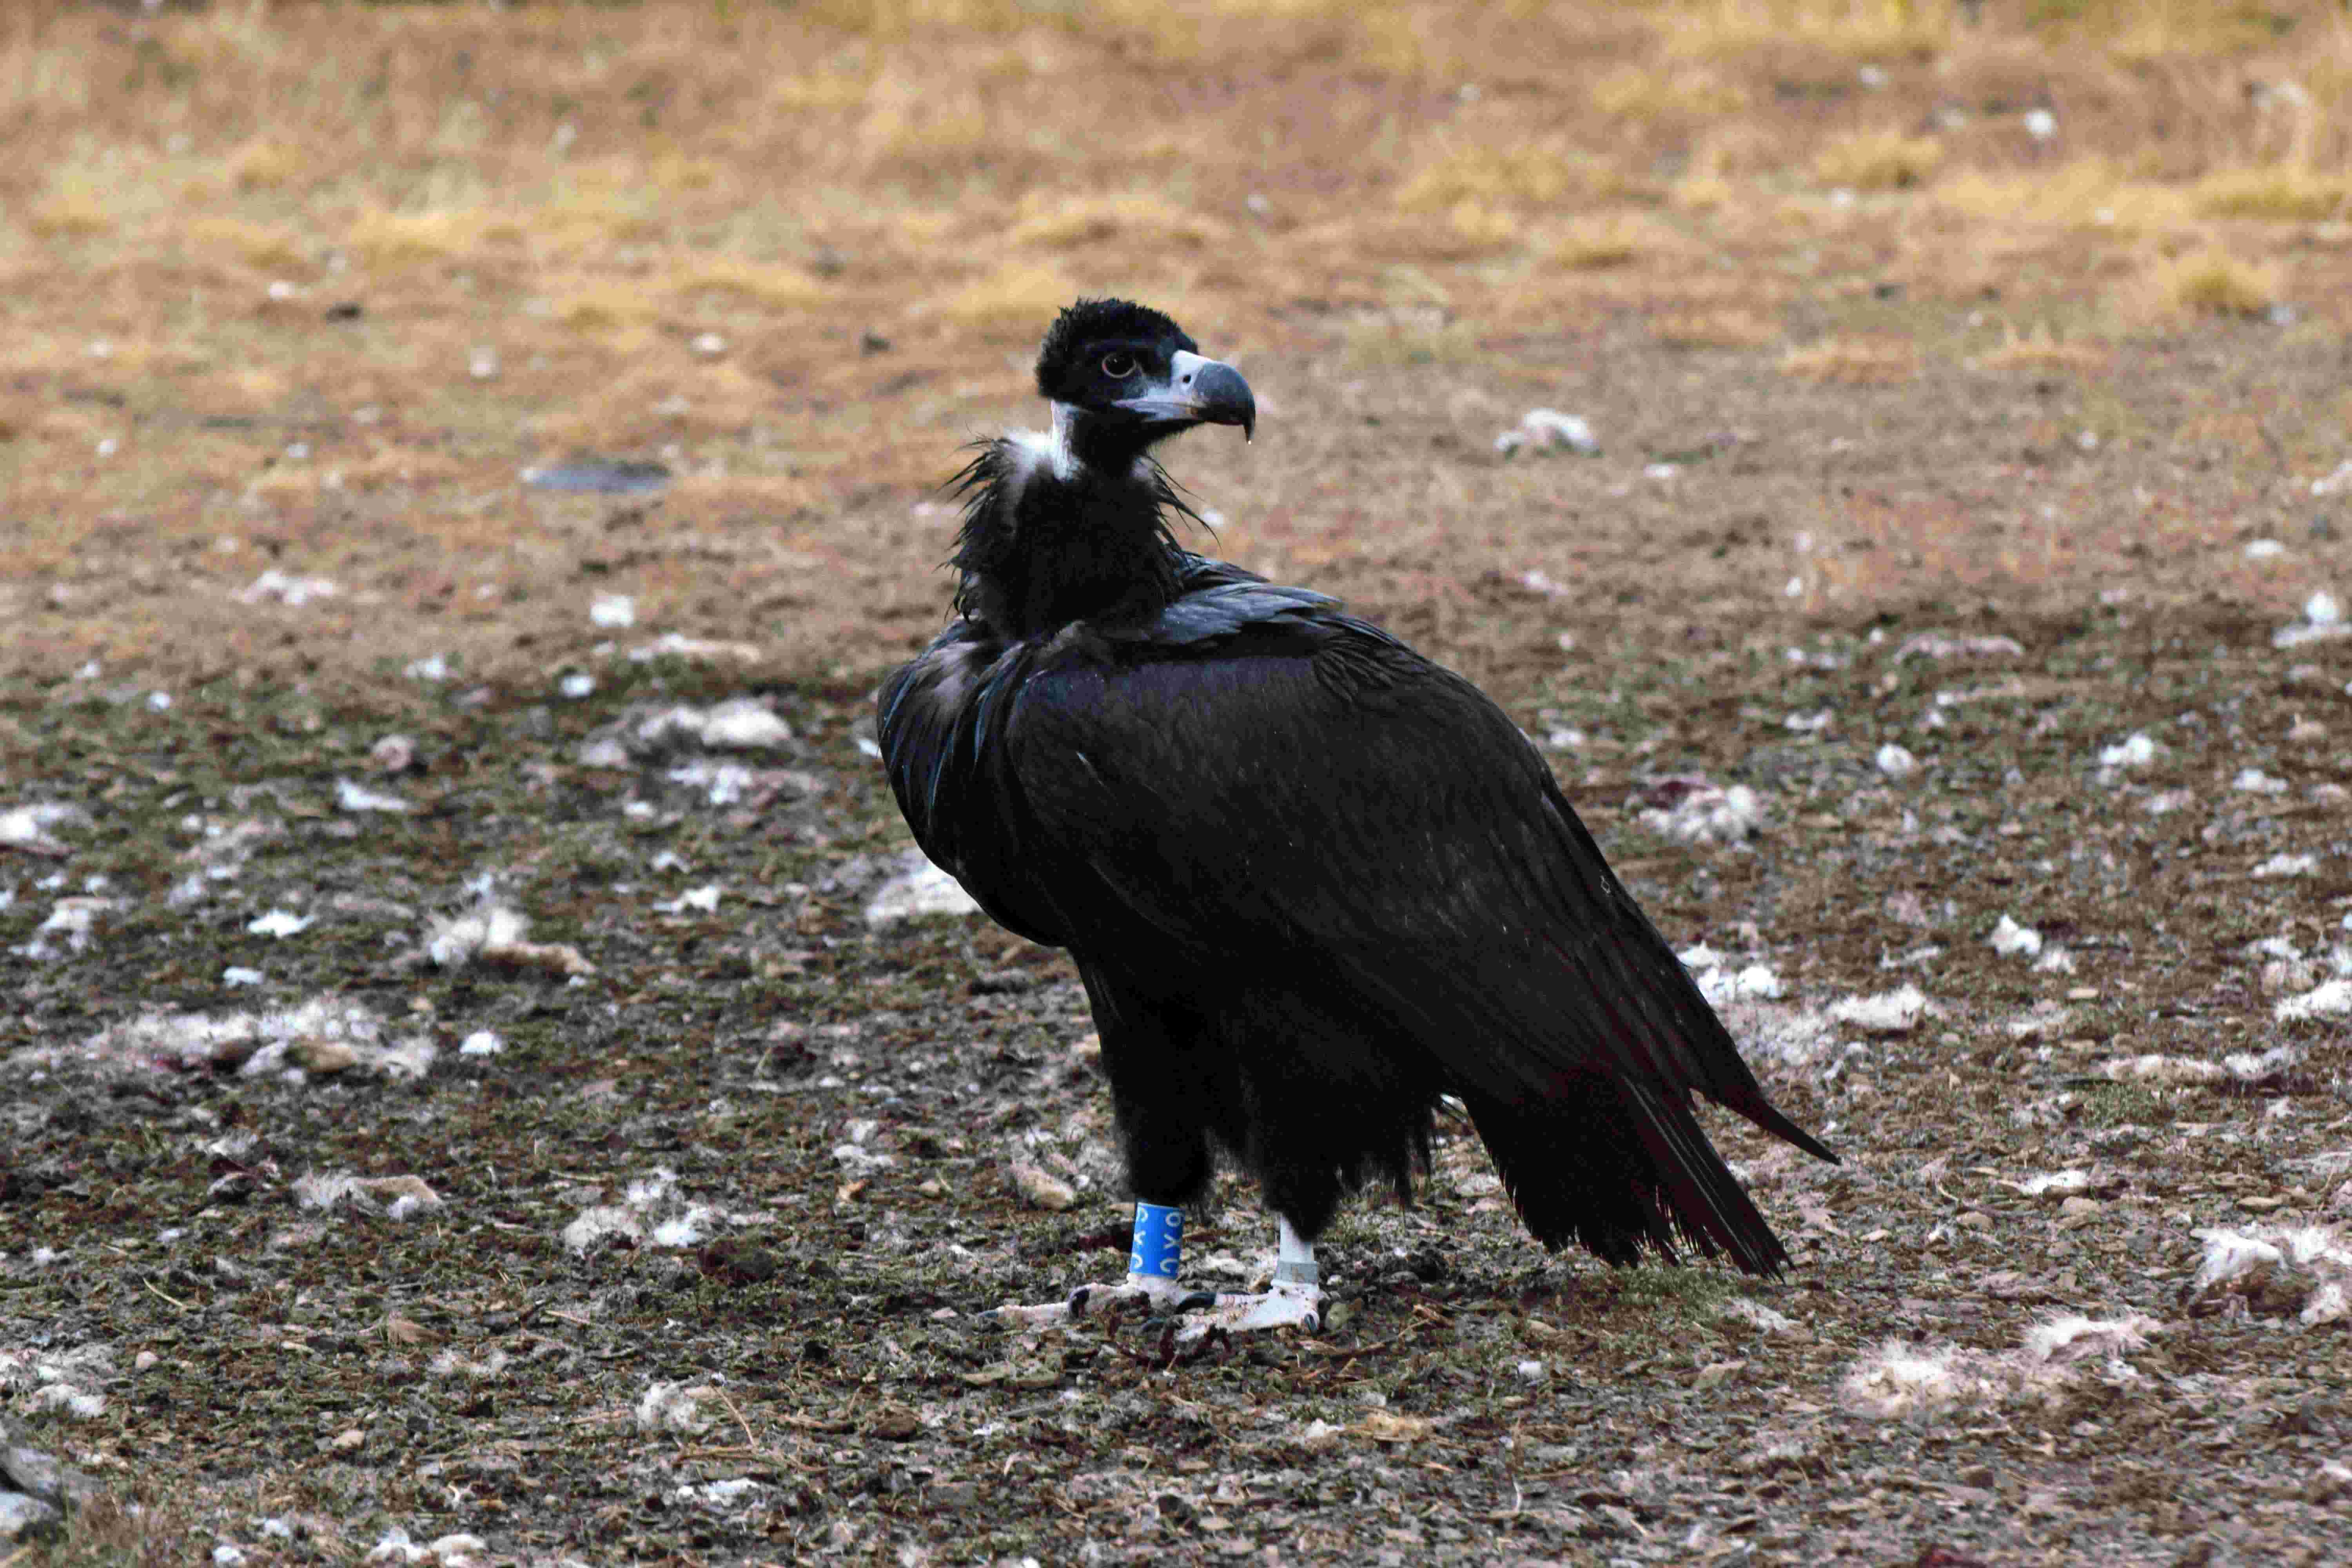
column 1312, row 881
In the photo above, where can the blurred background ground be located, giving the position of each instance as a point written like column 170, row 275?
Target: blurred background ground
column 2011, row 321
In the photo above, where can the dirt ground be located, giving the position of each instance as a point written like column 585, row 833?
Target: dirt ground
column 484, row 1080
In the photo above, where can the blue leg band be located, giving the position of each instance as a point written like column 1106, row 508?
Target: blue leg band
column 1159, row 1250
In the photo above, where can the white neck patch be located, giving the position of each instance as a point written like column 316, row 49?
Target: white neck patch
column 1047, row 450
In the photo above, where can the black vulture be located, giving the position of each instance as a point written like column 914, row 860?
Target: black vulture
column 1313, row 882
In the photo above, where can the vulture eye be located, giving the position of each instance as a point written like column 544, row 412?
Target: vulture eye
column 1118, row 366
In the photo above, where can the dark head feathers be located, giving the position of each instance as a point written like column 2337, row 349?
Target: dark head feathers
column 1092, row 320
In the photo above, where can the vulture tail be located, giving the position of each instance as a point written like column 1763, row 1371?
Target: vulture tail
column 1627, row 1170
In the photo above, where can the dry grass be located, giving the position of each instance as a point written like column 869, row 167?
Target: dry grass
column 1728, row 327
column 774, row 286
column 2211, row 281
column 2040, row 351
column 2277, row 191
column 1853, row 361
column 1401, row 184
column 1878, row 161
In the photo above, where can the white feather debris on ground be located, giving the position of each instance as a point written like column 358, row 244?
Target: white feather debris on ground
column 1941, row 646
column 2166, row 802
column 498, row 936
column 2284, row 864
column 2263, row 550
column 1902, row 1379
column 290, row 591
column 70, row 1382
column 702, row 901
column 2328, row 999
column 2254, row 781
column 675, row 1408
column 2134, row 751
column 26, row 828
column 2249, row 1067
column 280, row 923
column 612, row 611
column 481, row 1043
column 1896, row 762
column 358, row 798
column 2303, row 1272
column 1741, row 1308
column 1543, row 430
column 457, row 1549
column 920, row 888
column 1722, row 984
column 1690, row 808
column 2323, row 620
column 2336, row 481
column 652, row 1211
column 698, row 650
column 394, row 1198
column 2013, row 941
column 652, row 734
column 1896, row 1012
column 321, row 1035
column 739, row 723
column 69, row 929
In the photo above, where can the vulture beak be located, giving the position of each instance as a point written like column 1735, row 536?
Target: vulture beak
column 1197, row 391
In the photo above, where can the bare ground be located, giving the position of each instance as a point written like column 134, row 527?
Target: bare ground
column 830, row 1116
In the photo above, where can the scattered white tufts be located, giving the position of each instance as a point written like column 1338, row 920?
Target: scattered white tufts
column 291, row 592
column 481, row 1043
column 2329, row 999
column 2134, row 751
column 674, row 645
column 2302, row 1272
column 1721, row 986
column 603, row 1223
column 2013, row 941
column 1896, row 762
column 2323, row 620
column 1941, row 646
column 2288, row 866
column 675, row 1407
column 394, row 1198
column 2071, row 1337
column 1900, row 1379
column 2166, row 802
column 1757, row 1314
column 68, row 930
column 2254, row 781
column 457, row 1549
column 237, row 974
column 1548, row 430
column 2055, row 1184
column 1894, row 1012
column 2263, row 550
column 612, row 611
column 26, row 828
column 703, row 899
column 922, row 889
column 67, row 1382
column 1706, row 814
column 432, row 668
column 690, row 1228
column 280, row 923
column 738, row 724
column 494, row 934
column 358, row 798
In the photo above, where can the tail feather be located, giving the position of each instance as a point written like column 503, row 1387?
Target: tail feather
column 1623, row 1170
